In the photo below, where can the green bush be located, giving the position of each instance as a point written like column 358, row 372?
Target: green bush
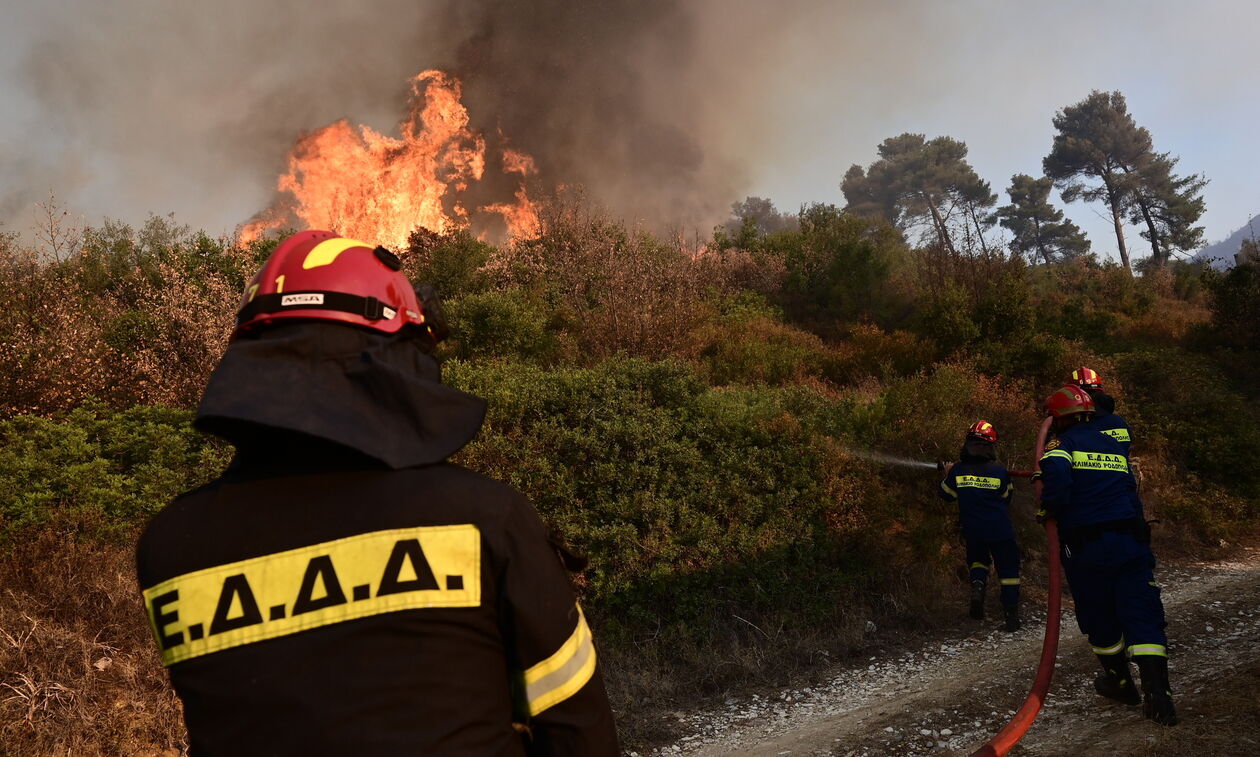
column 746, row 342
column 451, row 263
column 664, row 479
column 507, row 323
column 839, row 265
column 99, row 471
column 1212, row 430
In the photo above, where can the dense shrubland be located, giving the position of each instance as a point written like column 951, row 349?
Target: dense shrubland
column 686, row 417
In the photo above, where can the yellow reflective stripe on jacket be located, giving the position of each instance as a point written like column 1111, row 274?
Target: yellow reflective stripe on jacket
column 564, row 673
column 1116, row 648
column 1010, row 581
column 1119, row 434
column 984, row 565
column 1010, row 489
column 1057, row 453
column 1158, row 650
column 978, row 482
column 1100, row 461
column 283, row 593
column 948, row 489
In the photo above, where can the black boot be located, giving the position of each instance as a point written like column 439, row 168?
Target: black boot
column 1157, row 704
column 1012, row 618
column 1115, row 682
column 977, row 600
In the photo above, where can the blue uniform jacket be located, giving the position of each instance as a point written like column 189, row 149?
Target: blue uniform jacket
column 1108, row 422
column 1086, row 480
column 1114, row 426
column 982, row 489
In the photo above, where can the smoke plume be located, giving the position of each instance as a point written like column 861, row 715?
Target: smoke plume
column 605, row 95
column 164, row 107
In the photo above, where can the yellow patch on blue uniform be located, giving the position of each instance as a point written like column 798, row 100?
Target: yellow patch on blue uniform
column 1119, row 434
column 979, row 482
column 1100, row 461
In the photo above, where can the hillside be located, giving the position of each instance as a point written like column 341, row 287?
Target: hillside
column 1221, row 254
column 699, row 421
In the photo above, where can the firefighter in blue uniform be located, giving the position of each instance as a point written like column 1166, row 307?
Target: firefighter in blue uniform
column 1105, row 419
column 982, row 488
column 1105, row 543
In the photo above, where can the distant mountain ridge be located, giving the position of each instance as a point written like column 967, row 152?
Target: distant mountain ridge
column 1225, row 250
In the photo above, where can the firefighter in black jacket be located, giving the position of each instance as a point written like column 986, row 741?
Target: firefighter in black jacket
column 982, row 488
column 342, row 589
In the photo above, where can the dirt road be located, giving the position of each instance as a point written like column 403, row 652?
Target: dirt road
column 950, row 695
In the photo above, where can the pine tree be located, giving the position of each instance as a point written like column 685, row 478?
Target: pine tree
column 1038, row 227
column 1169, row 205
column 1098, row 139
column 917, row 181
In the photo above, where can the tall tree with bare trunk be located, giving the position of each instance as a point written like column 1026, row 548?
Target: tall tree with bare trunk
column 1038, row 227
column 920, row 181
column 1098, row 139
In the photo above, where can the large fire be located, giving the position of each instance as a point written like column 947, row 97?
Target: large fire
column 366, row 185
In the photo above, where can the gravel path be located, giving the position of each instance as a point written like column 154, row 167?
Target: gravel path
column 950, row 695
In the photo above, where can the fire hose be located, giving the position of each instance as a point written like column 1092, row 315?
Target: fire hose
column 1012, row 732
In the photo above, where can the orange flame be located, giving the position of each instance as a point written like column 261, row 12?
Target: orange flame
column 366, row 185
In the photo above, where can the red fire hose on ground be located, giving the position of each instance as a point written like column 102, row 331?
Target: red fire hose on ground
column 1012, row 732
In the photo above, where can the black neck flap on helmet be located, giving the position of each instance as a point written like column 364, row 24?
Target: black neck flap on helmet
column 380, row 395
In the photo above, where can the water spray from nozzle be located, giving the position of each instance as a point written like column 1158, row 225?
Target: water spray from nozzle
column 880, row 457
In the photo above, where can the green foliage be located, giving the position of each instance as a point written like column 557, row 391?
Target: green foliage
column 1097, row 139
column 661, row 477
column 1037, row 227
column 921, row 181
column 746, row 342
column 839, row 265
column 507, row 323
column 452, row 263
column 98, row 471
column 1212, row 429
column 1236, row 308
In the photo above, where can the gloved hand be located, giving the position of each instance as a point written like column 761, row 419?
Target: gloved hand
column 1047, row 512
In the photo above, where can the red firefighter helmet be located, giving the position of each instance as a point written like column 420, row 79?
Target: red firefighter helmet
column 1087, row 378
column 1069, row 400
column 983, row 430
column 317, row 275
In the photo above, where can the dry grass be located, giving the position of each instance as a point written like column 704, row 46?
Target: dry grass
column 78, row 671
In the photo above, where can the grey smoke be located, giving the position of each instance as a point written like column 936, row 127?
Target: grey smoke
column 606, row 95
column 664, row 109
column 167, row 107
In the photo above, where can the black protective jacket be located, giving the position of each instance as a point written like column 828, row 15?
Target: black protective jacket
column 321, row 600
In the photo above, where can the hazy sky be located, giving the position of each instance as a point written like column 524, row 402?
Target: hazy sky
column 129, row 107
